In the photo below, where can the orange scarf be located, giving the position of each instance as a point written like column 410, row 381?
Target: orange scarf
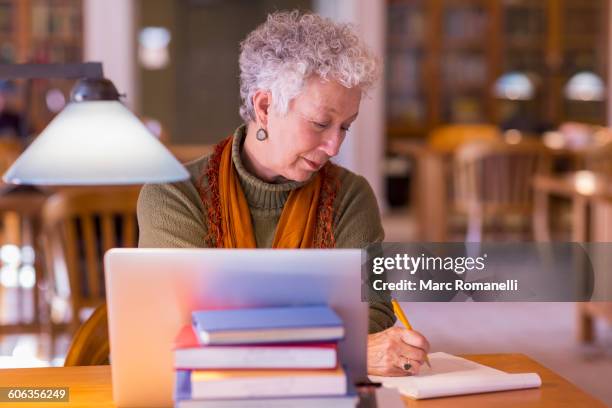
column 305, row 222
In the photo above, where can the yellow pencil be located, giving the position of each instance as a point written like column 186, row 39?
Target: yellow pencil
column 402, row 318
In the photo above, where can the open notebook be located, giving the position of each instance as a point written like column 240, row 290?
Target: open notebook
column 452, row 375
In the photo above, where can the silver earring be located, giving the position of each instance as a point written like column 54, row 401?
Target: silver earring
column 261, row 134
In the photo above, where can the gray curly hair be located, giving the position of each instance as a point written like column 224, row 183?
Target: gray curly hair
column 289, row 47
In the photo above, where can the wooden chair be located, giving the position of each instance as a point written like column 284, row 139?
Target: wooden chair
column 443, row 142
column 495, row 178
column 79, row 226
column 90, row 344
column 19, row 212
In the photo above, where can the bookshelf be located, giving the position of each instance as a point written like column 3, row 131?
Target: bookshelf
column 444, row 56
column 407, row 45
column 8, row 30
column 465, row 61
column 585, row 49
column 41, row 31
column 523, row 39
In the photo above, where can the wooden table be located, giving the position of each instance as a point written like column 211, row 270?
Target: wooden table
column 588, row 192
column 582, row 188
column 91, row 386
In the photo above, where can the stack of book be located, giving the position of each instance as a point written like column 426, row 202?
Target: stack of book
column 264, row 357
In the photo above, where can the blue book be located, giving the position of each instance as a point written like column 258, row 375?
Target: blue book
column 268, row 325
column 183, row 398
column 182, row 385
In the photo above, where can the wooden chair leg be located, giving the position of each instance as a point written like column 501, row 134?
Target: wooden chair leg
column 48, row 332
column 474, row 227
column 586, row 332
column 541, row 216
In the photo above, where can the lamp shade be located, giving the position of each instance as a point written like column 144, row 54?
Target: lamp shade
column 585, row 86
column 515, row 86
column 97, row 142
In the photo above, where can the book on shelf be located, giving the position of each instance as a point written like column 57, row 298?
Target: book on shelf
column 241, row 384
column 189, row 353
column 408, row 21
column 183, row 399
column 465, row 68
column 40, row 15
column 63, row 21
column 465, row 23
column 268, row 325
column 404, row 70
column 6, row 20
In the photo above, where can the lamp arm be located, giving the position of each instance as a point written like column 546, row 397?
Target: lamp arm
column 91, row 70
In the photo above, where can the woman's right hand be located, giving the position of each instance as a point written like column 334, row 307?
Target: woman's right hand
column 390, row 351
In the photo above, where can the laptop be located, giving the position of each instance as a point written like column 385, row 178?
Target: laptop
column 152, row 292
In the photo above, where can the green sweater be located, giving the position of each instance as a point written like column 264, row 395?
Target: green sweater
column 172, row 215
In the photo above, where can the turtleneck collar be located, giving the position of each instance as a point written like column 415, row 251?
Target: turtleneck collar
column 259, row 194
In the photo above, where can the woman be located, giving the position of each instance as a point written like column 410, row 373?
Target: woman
column 271, row 184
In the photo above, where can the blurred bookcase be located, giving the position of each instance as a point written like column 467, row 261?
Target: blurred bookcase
column 444, row 56
column 585, row 40
column 41, row 31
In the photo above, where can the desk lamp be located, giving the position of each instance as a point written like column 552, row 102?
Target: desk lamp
column 94, row 140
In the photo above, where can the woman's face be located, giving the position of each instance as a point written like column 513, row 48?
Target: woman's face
column 301, row 141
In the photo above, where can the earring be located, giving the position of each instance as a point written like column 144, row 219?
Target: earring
column 261, row 134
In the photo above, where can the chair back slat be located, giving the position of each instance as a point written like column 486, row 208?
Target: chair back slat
column 130, row 230
column 109, row 234
column 92, row 258
column 67, row 246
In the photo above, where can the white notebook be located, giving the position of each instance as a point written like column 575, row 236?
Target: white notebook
column 452, row 375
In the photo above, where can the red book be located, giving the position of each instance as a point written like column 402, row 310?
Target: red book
column 189, row 353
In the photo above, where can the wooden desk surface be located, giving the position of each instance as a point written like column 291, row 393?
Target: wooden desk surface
column 91, row 386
